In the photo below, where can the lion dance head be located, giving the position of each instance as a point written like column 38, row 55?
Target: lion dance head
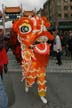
column 30, row 29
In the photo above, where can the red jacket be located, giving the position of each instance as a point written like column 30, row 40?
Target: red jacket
column 3, row 58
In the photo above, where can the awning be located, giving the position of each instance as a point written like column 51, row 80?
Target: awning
column 61, row 27
column 69, row 27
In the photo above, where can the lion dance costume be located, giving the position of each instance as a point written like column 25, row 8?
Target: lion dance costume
column 34, row 51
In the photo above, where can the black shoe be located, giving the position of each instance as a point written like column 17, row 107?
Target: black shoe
column 59, row 63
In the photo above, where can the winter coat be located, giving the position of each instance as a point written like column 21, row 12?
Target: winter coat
column 3, row 58
column 57, row 44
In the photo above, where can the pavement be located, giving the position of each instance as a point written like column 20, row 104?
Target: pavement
column 59, row 86
column 52, row 67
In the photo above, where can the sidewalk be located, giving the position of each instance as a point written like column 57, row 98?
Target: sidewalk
column 59, row 86
column 13, row 66
column 66, row 67
column 59, row 92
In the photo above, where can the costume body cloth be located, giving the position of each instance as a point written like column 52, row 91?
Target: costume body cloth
column 33, row 69
column 33, row 63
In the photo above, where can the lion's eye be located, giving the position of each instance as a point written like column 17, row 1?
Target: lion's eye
column 25, row 28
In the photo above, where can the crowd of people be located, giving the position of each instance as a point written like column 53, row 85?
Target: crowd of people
column 62, row 45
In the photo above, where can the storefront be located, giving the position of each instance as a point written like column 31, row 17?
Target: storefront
column 65, row 25
column 62, row 25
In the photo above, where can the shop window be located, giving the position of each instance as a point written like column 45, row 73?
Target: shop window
column 71, row 7
column 65, row 0
column 59, row 15
column 71, row 15
column 66, row 15
column 65, row 7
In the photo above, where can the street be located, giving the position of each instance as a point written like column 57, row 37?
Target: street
column 59, row 86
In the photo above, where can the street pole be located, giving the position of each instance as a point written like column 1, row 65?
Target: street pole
column 49, row 8
column 3, row 19
column 56, row 15
column 21, row 10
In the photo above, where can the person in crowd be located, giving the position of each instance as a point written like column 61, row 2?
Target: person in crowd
column 70, row 44
column 3, row 58
column 7, row 42
column 57, row 48
column 64, row 43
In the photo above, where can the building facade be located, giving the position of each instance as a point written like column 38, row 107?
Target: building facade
column 59, row 11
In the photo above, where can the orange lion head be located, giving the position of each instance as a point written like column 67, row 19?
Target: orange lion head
column 29, row 29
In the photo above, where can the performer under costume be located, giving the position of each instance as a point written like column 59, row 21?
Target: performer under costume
column 35, row 51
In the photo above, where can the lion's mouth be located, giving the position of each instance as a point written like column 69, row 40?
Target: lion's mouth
column 41, row 48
